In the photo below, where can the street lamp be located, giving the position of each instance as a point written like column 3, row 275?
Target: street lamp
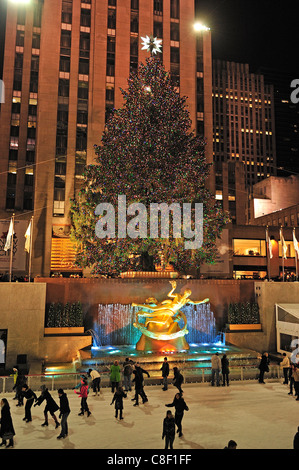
column 201, row 27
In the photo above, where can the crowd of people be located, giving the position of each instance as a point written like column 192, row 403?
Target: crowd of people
column 125, row 378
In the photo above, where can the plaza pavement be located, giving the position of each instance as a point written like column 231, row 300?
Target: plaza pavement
column 256, row 416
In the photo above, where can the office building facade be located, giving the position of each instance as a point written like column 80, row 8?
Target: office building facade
column 64, row 64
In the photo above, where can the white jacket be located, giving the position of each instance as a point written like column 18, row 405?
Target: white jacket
column 216, row 362
column 285, row 362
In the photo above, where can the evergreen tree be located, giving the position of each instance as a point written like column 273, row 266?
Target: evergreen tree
column 150, row 154
column 51, row 316
column 79, row 314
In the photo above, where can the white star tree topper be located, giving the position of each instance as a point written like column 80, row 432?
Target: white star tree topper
column 151, row 44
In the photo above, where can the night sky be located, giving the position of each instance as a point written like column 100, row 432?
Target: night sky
column 258, row 32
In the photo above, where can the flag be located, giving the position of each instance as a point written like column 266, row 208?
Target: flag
column 283, row 244
column 28, row 238
column 295, row 242
column 269, row 243
column 10, row 234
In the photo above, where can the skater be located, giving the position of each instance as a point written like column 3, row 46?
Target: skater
column 216, row 367
column 296, row 381
column 30, row 397
column 64, row 412
column 15, row 376
column 96, row 380
column 165, row 374
column 118, row 397
column 20, row 381
column 285, row 365
column 225, row 370
column 84, row 395
column 291, row 378
column 180, row 406
column 127, row 374
column 263, row 367
column 114, row 376
column 7, row 431
column 178, row 379
column 168, row 430
column 138, row 380
column 51, row 405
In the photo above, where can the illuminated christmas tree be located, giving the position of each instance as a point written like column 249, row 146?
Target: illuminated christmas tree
column 150, row 154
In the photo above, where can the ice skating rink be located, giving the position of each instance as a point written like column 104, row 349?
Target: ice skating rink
column 256, row 416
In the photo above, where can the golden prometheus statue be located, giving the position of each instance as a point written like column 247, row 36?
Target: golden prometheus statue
column 161, row 331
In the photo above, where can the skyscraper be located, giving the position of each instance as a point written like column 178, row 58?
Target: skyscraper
column 64, row 65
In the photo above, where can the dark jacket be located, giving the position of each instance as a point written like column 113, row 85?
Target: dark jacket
column 165, row 369
column 179, row 404
column 29, row 394
column 264, row 364
column 168, row 427
column 21, row 380
column 118, row 399
column 6, row 426
column 128, row 369
column 51, row 405
column 64, row 404
column 140, row 371
column 225, row 365
column 138, row 379
column 178, row 378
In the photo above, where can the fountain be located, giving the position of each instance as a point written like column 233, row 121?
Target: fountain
column 169, row 325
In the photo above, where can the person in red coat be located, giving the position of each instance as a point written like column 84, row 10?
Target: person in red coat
column 83, row 393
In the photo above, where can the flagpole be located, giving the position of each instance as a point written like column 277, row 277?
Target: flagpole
column 282, row 253
column 296, row 253
column 268, row 251
column 30, row 250
column 11, row 248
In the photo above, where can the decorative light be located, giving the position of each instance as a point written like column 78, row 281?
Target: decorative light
column 201, row 27
column 151, row 44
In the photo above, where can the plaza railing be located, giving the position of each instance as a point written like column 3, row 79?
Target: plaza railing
column 68, row 380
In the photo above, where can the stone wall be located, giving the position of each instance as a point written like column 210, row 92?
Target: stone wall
column 22, row 314
column 94, row 291
column 267, row 295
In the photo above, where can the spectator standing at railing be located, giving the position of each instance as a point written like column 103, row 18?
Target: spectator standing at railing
column 30, row 397
column 285, row 365
column 64, row 412
column 296, row 380
column 263, row 367
column 51, row 405
column 225, row 369
column 216, row 367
